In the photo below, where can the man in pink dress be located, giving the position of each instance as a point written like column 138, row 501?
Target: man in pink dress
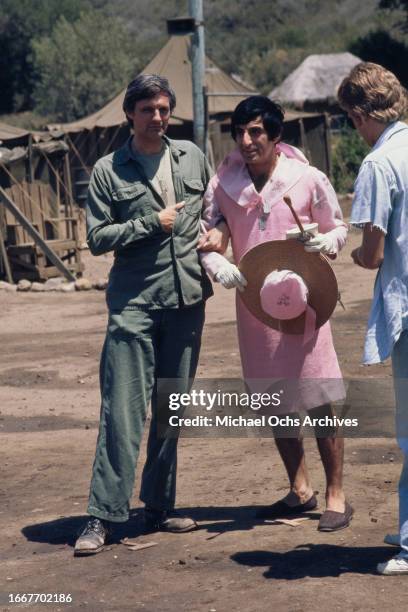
column 247, row 191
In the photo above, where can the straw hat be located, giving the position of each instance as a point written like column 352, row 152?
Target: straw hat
column 314, row 269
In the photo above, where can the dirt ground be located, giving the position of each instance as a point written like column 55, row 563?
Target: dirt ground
column 49, row 405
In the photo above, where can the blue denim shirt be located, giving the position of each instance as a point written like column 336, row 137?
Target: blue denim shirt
column 381, row 198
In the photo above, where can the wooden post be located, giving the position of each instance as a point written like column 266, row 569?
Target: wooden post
column 5, row 260
column 327, row 143
column 303, row 139
column 198, row 71
column 30, row 173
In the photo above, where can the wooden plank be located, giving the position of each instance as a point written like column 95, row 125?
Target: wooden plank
column 5, row 260
column 18, row 199
column 61, row 245
column 50, row 271
column 25, row 206
column 48, row 228
column 37, row 217
column 28, row 205
column 52, row 256
column 55, row 245
column 16, row 194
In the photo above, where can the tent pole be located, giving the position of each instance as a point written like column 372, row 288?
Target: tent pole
column 198, row 68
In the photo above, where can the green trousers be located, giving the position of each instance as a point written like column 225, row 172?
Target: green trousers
column 141, row 347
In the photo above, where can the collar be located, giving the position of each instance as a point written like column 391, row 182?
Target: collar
column 390, row 130
column 234, row 178
column 124, row 154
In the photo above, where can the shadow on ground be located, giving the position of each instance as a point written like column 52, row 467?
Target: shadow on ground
column 65, row 530
column 215, row 520
column 315, row 561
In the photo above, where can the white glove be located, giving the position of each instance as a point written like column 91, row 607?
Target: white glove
column 229, row 277
column 321, row 243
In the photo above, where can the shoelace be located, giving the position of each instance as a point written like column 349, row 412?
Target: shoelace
column 94, row 526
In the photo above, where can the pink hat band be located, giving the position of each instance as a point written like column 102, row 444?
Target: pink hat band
column 284, row 295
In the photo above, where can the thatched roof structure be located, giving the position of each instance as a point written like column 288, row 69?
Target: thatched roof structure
column 314, row 83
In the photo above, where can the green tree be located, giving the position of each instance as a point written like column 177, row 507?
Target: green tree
column 382, row 48
column 82, row 65
column 400, row 6
column 20, row 22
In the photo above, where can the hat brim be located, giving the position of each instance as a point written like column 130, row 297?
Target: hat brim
column 314, row 269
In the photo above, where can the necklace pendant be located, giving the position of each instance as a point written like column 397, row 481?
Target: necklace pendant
column 262, row 222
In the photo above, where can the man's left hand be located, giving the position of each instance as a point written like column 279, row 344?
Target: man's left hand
column 215, row 240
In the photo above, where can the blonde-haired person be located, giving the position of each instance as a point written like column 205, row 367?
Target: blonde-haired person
column 376, row 101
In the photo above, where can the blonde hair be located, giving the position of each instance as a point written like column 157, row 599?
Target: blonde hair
column 373, row 91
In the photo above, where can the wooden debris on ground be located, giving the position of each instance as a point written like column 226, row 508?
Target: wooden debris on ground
column 135, row 545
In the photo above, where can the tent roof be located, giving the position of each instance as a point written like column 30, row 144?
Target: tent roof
column 316, row 79
column 11, row 132
column 172, row 62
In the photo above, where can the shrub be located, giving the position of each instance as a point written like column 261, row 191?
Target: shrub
column 349, row 150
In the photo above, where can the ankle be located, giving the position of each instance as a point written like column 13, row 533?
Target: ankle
column 335, row 493
column 299, row 495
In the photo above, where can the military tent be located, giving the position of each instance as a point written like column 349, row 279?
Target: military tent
column 107, row 129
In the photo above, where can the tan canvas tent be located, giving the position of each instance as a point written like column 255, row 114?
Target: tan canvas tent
column 107, row 129
column 172, row 62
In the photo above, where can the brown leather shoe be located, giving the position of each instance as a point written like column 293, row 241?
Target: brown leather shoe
column 167, row 520
column 92, row 538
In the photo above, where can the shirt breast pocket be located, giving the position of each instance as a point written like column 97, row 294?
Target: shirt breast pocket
column 193, row 192
column 131, row 202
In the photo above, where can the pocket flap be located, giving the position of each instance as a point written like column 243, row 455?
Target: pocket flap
column 130, row 192
column 194, row 184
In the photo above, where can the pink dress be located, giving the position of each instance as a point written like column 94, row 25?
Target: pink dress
column 254, row 218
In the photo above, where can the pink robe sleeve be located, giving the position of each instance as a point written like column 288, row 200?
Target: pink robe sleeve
column 211, row 215
column 326, row 211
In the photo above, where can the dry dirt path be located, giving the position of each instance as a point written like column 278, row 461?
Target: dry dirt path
column 49, row 404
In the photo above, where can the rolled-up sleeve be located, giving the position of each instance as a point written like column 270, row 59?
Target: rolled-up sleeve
column 373, row 191
column 103, row 233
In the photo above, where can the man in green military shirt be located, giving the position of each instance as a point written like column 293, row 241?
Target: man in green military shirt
column 144, row 204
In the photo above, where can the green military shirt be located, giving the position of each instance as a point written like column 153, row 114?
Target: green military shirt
column 152, row 269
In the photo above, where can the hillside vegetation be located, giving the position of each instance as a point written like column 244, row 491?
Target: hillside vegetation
column 65, row 58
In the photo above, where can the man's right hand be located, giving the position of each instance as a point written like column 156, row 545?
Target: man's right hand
column 167, row 216
column 216, row 239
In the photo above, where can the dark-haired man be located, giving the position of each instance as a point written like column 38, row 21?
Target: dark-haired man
column 145, row 204
column 248, row 192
